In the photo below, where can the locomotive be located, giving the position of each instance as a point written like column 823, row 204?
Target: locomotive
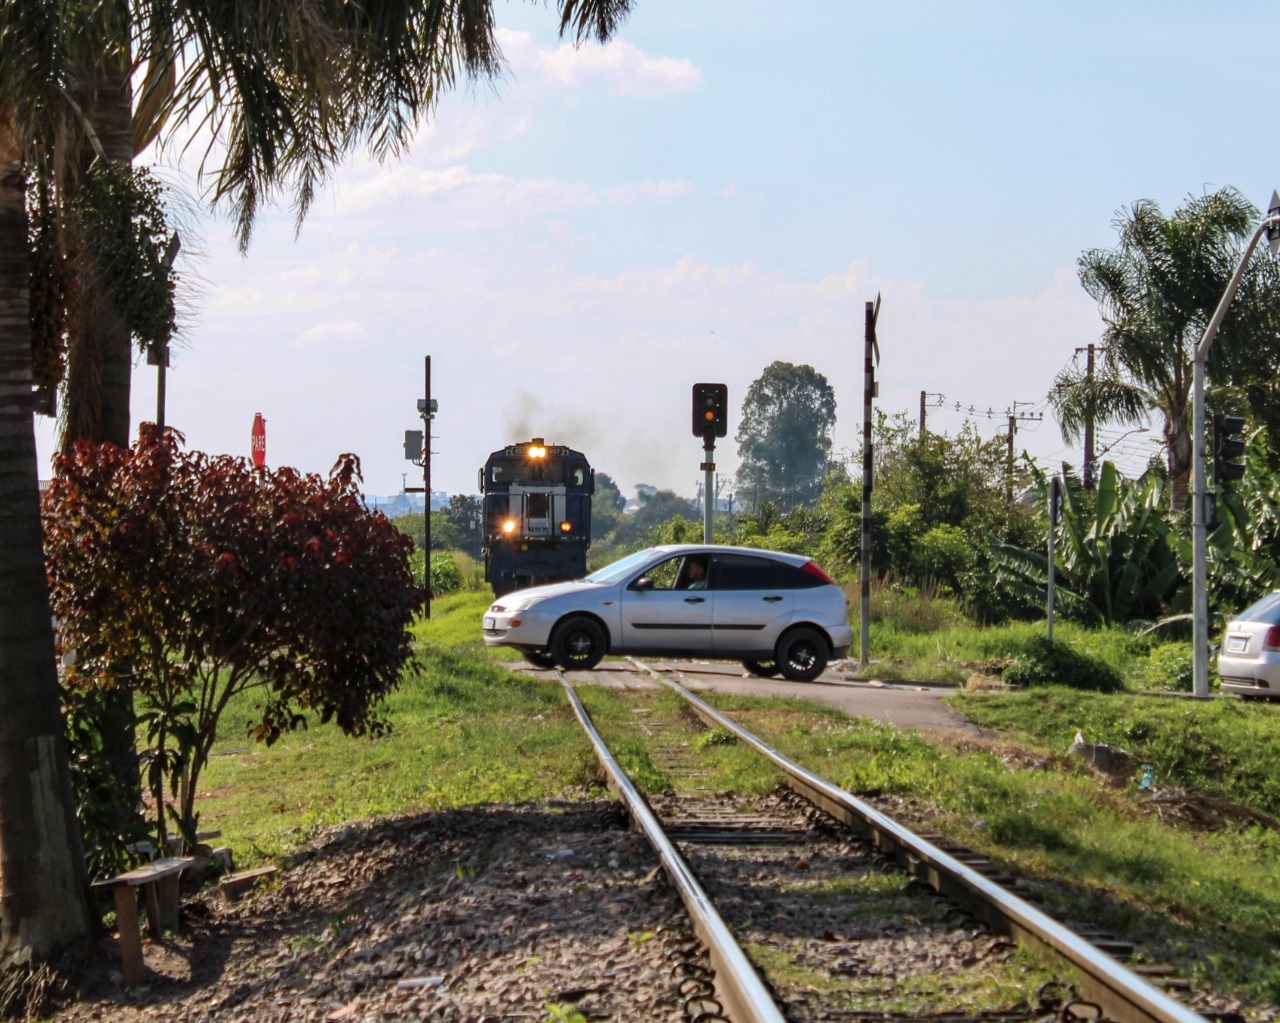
column 537, row 515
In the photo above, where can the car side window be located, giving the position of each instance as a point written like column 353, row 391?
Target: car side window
column 664, row 574
column 743, row 572
column 790, row 577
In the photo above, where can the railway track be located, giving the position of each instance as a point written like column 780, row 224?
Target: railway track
column 841, row 907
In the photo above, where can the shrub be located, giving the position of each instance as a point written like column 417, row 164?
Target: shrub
column 446, row 577
column 209, row 578
column 1167, row 666
column 1045, row 663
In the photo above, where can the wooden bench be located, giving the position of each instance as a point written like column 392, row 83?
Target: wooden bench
column 159, row 883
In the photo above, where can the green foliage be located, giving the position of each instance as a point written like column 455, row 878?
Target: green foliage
column 1114, row 555
column 676, row 529
column 1156, row 292
column 784, row 439
column 1044, row 663
column 607, row 506
column 446, row 576
column 714, row 737
column 211, row 578
column 1167, row 666
column 98, row 788
column 119, row 218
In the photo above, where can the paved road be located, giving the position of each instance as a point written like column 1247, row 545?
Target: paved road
column 901, row 704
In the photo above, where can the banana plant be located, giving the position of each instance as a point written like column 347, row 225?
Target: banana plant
column 1114, row 560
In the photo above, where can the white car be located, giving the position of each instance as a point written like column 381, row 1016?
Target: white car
column 777, row 613
column 1249, row 658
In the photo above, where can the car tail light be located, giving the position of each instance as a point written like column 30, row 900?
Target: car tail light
column 812, row 568
column 1271, row 641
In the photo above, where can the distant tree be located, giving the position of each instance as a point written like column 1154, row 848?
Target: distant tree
column 213, row 578
column 1156, row 291
column 464, row 513
column 655, row 508
column 784, row 441
column 607, row 507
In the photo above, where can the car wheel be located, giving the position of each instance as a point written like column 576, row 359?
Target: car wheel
column 539, row 658
column 578, row 644
column 801, row 654
column 764, row 669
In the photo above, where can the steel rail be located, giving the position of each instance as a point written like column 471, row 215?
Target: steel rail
column 1121, row 994
column 742, row 992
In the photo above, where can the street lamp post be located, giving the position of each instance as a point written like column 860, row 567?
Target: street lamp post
column 1270, row 226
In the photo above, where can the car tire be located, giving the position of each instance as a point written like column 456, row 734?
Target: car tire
column 762, row 669
column 539, row 658
column 801, row 654
column 579, row 644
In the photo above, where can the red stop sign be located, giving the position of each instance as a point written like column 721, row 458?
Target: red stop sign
column 258, row 440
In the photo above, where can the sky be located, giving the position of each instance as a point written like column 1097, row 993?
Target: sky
column 723, row 185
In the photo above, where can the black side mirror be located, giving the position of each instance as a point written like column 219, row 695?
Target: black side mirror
column 643, row 583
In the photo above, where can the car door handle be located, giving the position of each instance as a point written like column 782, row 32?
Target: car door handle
column 771, row 600
column 695, row 600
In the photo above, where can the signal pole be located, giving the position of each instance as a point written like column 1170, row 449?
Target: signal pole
column 1088, row 422
column 710, row 420
column 417, row 449
column 871, row 354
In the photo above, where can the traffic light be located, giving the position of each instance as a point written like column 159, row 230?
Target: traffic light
column 710, row 410
column 1228, row 445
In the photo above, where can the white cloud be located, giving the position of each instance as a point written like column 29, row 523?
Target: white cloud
column 623, row 69
column 631, row 193
column 335, row 332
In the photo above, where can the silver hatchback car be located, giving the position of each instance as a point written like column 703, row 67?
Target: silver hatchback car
column 1249, row 658
column 776, row 613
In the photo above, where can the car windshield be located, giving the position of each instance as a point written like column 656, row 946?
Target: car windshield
column 619, row 570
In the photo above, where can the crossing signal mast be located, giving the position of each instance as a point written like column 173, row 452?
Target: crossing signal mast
column 710, row 420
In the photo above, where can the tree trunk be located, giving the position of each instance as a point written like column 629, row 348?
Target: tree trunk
column 100, row 367
column 99, row 370
column 43, row 889
column 1177, row 438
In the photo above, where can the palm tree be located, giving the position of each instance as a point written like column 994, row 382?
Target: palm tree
column 288, row 89
column 42, row 874
column 1156, row 292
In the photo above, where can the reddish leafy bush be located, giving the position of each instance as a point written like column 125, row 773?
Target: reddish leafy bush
column 210, row 577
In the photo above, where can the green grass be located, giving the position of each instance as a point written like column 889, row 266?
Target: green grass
column 464, row 731
column 1225, row 748
column 953, row 654
column 1207, row 900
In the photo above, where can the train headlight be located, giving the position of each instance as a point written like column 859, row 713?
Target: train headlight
column 509, row 526
column 537, row 451
column 566, row 527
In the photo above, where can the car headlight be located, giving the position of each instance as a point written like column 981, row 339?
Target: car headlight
column 522, row 605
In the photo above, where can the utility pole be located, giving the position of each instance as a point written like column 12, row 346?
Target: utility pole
column 922, row 414
column 871, row 354
column 1088, row 422
column 417, row 449
column 1016, row 417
